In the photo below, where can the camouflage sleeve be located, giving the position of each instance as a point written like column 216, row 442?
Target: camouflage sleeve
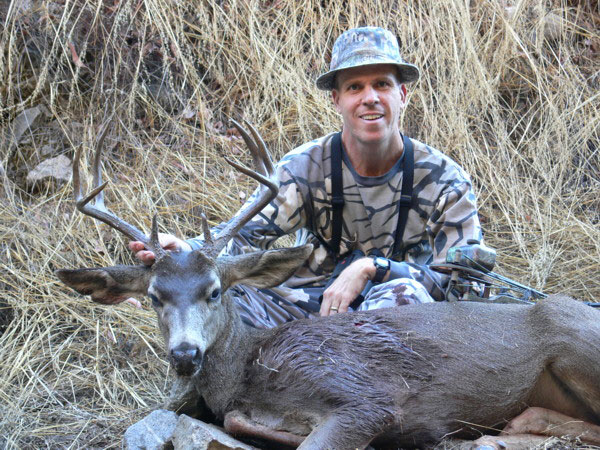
column 454, row 220
column 284, row 215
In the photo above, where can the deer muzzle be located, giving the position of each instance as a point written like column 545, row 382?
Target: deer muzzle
column 186, row 359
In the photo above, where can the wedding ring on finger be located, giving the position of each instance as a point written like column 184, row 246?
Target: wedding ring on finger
column 334, row 308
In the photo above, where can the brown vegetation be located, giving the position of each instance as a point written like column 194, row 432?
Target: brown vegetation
column 509, row 89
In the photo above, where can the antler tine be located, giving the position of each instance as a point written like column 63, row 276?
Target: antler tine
column 263, row 197
column 256, row 153
column 159, row 252
column 98, row 210
column 99, row 202
column 263, row 153
column 206, row 230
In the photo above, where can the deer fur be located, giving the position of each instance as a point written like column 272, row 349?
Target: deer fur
column 403, row 376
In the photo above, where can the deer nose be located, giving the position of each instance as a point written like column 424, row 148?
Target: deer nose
column 186, row 359
column 184, row 354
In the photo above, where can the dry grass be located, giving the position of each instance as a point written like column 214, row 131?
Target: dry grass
column 518, row 111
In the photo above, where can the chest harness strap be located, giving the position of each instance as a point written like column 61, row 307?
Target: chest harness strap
column 337, row 193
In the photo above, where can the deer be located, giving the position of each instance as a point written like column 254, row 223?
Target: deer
column 395, row 377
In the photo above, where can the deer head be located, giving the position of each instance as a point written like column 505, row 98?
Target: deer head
column 187, row 289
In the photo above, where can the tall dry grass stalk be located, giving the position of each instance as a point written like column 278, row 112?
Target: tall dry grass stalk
column 511, row 91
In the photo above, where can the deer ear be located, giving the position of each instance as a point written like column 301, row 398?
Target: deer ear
column 108, row 285
column 262, row 269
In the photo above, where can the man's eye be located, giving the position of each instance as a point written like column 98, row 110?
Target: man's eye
column 215, row 294
column 155, row 301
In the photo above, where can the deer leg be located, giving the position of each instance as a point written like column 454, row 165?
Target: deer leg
column 551, row 423
column 238, row 425
column 338, row 431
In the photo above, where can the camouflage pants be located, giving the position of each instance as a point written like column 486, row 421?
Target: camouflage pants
column 268, row 308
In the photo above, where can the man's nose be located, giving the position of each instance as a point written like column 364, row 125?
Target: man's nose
column 371, row 95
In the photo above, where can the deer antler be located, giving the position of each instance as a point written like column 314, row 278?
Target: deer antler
column 98, row 209
column 264, row 171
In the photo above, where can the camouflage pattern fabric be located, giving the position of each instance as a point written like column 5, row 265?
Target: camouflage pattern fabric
column 267, row 308
column 444, row 214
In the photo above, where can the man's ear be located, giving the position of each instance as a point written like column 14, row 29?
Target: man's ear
column 335, row 98
column 262, row 269
column 108, row 285
column 403, row 93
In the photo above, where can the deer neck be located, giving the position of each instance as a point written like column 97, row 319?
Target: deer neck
column 220, row 378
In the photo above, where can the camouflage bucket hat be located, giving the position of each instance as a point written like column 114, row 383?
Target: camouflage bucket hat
column 363, row 47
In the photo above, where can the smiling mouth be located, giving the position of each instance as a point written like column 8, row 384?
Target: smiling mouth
column 371, row 116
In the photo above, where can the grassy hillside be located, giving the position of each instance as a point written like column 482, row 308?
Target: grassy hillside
column 509, row 89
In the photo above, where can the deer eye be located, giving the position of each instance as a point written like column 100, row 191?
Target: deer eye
column 155, row 301
column 215, row 294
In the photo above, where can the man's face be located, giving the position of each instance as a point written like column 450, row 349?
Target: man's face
column 370, row 100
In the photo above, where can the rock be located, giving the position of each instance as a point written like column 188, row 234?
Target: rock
column 554, row 26
column 56, row 169
column 47, row 150
column 153, row 432
column 193, row 434
column 516, row 442
column 27, row 120
column 163, row 429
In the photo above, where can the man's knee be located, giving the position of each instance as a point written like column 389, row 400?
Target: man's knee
column 397, row 292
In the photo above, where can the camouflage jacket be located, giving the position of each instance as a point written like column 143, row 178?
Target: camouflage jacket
column 444, row 211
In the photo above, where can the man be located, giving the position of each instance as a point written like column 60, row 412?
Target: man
column 367, row 80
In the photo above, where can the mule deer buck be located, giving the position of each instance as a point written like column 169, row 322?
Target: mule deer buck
column 404, row 376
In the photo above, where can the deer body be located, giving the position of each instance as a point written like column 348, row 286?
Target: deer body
column 401, row 376
column 408, row 376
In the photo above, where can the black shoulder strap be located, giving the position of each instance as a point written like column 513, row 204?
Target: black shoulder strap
column 337, row 193
column 406, row 193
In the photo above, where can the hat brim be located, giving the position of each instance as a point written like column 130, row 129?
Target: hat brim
column 407, row 73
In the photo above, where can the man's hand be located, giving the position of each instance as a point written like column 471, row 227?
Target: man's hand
column 167, row 241
column 348, row 285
